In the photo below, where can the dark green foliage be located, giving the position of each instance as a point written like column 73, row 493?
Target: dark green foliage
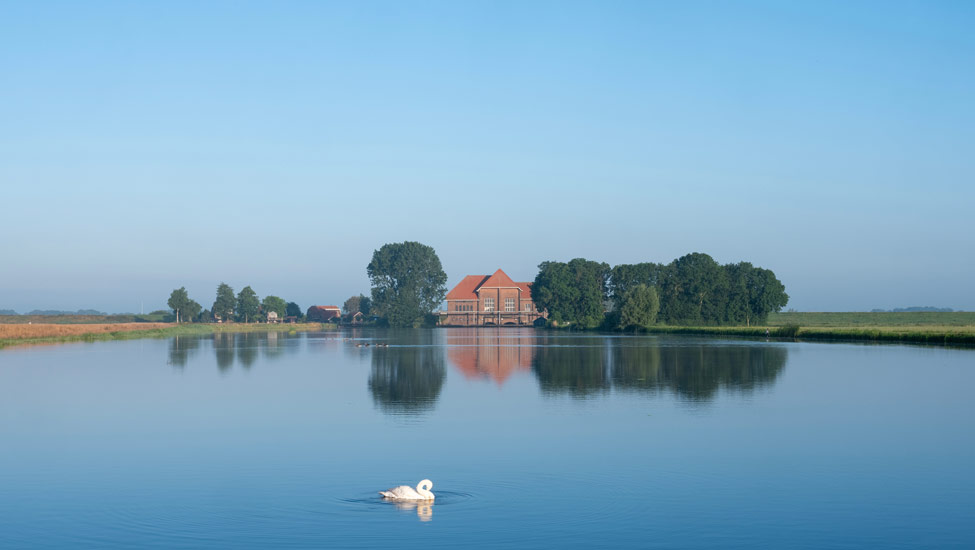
column 225, row 303
column 573, row 292
column 275, row 304
column 625, row 276
column 408, row 282
column 191, row 311
column 638, row 307
column 293, row 310
column 178, row 301
column 248, row 305
column 693, row 291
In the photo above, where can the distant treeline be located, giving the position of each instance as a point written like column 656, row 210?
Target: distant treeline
column 54, row 312
column 914, row 309
column 245, row 307
column 691, row 290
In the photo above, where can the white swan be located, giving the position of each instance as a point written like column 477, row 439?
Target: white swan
column 405, row 492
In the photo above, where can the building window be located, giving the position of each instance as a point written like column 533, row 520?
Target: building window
column 509, row 304
column 528, row 306
column 489, row 304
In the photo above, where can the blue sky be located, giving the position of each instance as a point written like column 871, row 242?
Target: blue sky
column 148, row 146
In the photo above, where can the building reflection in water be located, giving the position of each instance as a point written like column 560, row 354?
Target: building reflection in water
column 493, row 354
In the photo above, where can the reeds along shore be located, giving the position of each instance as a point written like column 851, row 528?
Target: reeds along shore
column 13, row 334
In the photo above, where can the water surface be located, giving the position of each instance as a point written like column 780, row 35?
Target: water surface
column 532, row 439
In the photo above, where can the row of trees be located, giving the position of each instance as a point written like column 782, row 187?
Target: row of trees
column 243, row 307
column 691, row 290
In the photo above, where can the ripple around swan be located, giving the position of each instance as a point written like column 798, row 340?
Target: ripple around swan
column 372, row 498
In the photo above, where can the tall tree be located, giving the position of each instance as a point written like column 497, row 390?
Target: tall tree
column 357, row 304
column 191, row 310
column 625, row 276
column 275, row 304
column 351, row 306
column 572, row 292
column 638, row 307
column 178, row 301
column 247, row 304
column 694, row 290
column 293, row 310
column 225, row 303
column 408, row 282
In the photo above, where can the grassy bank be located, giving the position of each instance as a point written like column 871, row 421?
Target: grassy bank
column 954, row 328
column 20, row 334
column 880, row 319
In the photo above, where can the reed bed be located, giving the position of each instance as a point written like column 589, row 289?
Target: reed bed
column 19, row 334
column 31, row 331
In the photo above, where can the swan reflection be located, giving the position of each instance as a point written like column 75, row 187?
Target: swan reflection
column 424, row 509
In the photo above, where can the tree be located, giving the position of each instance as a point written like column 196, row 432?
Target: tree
column 624, row 277
column 191, row 310
column 275, row 304
column 225, row 303
column 766, row 294
column 694, row 290
column 293, row 310
column 357, row 304
column 639, row 306
column 572, row 292
column 178, row 301
column 408, row 282
column 351, row 306
column 248, row 305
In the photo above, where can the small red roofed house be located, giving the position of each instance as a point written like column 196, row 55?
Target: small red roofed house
column 323, row 313
column 490, row 300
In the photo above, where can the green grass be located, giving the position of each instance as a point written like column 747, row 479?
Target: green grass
column 865, row 319
column 177, row 330
column 952, row 328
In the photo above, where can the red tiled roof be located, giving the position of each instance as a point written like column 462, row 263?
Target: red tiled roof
column 465, row 289
column 500, row 279
column 326, row 307
column 468, row 287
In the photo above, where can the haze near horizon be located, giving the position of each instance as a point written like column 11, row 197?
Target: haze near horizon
column 145, row 147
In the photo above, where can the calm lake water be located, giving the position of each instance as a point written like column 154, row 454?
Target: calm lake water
column 532, row 440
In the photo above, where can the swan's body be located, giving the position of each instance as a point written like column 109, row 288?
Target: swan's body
column 405, row 492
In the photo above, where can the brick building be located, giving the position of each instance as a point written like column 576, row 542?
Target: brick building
column 490, row 300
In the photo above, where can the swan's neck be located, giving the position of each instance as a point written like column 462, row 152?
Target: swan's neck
column 424, row 488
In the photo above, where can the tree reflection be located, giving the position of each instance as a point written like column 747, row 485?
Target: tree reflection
column 247, row 344
column 223, row 347
column 692, row 371
column 578, row 370
column 696, row 372
column 406, row 380
column 180, row 349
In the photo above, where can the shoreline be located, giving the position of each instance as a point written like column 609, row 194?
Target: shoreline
column 951, row 336
column 21, row 334
column 60, row 333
